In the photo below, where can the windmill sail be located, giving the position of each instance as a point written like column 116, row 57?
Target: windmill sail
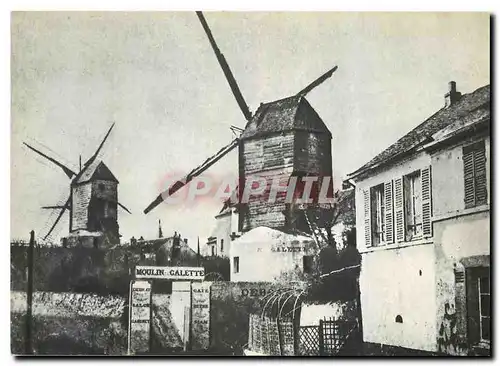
column 66, row 170
column 225, row 68
column 93, row 157
column 317, row 82
column 66, row 206
column 192, row 174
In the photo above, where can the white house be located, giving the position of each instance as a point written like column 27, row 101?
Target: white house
column 422, row 213
column 225, row 230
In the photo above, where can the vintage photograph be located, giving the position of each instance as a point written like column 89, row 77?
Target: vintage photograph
column 250, row 183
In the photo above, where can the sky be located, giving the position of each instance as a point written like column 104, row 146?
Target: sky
column 155, row 76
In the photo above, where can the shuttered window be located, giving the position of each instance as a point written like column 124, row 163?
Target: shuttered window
column 474, row 158
column 377, row 208
column 367, row 221
column 412, row 192
column 399, row 210
column 426, row 201
column 389, row 215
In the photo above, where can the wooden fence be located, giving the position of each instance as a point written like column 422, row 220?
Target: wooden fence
column 276, row 337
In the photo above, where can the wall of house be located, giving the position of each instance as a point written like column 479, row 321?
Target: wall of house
column 267, row 259
column 448, row 179
column 462, row 239
column 406, row 288
column 80, row 203
column 222, row 231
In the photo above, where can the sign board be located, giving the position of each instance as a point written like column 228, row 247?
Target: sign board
column 200, row 315
column 139, row 317
column 170, row 273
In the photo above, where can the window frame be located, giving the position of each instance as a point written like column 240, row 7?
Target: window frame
column 309, row 259
column 236, row 264
column 410, row 212
column 379, row 210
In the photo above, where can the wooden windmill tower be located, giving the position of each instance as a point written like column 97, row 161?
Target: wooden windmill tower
column 92, row 203
column 283, row 138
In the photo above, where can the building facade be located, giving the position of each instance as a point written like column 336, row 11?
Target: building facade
column 225, row 230
column 422, row 213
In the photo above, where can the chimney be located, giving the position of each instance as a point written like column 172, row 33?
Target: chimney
column 452, row 96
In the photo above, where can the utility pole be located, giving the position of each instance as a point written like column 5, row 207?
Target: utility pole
column 29, row 295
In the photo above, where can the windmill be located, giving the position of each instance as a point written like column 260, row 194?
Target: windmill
column 93, row 199
column 281, row 139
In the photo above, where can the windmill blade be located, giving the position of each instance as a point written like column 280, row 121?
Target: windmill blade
column 126, row 209
column 52, row 207
column 192, row 174
column 93, row 157
column 66, row 205
column 317, row 82
column 225, row 68
column 66, row 170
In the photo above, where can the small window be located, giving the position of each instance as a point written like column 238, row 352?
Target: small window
column 101, row 187
column 474, row 159
column 307, row 263
column 484, row 307
column 222, row 245
column 236, row 264
column 377, row 214
column 412, row 191
column 478, row 305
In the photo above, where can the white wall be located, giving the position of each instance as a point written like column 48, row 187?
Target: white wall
column 399, row 282
column 260, row 259
column 448, row 179
column 225, row 224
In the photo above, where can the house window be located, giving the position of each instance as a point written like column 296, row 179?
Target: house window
column 377, row 214
column 478, row 305
column 484, row 308
column 236, row 264
column 474, row 158
column 412, row 190
column 213, row 250
column 307, row 263
column 101, row 187
column 222, row 245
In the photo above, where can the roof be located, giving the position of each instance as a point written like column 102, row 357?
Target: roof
column 96, row 170
column 292, row 113
column 468, row 104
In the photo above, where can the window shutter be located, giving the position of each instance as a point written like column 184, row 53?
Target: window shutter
column 389, row 213
column 468, row 158
column 474, row 159
column 480, row 175
column 399, row 210
column 426, row 201
column 367, row 213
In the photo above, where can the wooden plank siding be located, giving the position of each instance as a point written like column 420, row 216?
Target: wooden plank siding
column 81, row 200
column 313, row 153
column 279, row 157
